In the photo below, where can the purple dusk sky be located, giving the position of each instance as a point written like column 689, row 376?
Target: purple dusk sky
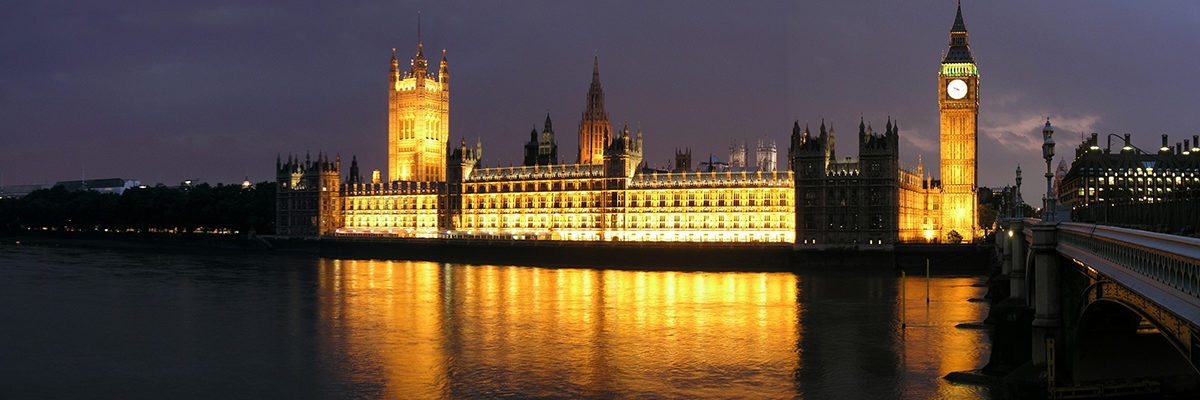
column 163, row 91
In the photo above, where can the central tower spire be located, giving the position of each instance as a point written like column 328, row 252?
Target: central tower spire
column 594, row 126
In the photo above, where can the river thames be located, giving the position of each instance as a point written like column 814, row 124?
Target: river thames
column 82, row 323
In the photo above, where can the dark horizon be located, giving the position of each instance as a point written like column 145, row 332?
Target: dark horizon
column 213, row 91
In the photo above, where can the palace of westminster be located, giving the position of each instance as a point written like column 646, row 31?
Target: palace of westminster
column 436, row 190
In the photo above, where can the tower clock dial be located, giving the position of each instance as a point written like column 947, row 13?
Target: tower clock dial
column 957, row 89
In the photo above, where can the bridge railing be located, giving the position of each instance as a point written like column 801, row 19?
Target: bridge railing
column 1171, row 260
column 1027, row 228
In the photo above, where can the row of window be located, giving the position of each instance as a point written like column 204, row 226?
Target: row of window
column 393, row 203
column 391, row 221
column 431, row 127
column 482, row 222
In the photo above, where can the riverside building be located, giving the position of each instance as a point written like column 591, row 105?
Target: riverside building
column 1099, row 176
column 437, row 191
column 605, row 196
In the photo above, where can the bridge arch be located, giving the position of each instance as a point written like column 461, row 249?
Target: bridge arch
column 1121, row 338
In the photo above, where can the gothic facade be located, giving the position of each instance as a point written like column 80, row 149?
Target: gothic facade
column 869, row 201
column 818, row 201
column 418, row 120
column 606, row 196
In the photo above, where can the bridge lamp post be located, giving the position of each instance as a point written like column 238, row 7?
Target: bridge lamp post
column 1019, row 213
column 1048, row 154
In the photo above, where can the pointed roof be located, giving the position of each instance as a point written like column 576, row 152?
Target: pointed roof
column 959, row 51
column 596, row 67
column 595, row 97
column 959, row 25
column 419, row 62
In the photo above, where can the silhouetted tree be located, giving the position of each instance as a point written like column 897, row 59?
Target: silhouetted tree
column 201, row 208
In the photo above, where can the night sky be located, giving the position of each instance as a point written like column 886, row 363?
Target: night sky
column 214, row 90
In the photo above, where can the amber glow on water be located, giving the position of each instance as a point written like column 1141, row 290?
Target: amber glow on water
column 542, row 332
column 87, row 324
column 447, row 331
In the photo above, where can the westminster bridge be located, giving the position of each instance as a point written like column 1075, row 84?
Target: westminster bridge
column 1113, row 310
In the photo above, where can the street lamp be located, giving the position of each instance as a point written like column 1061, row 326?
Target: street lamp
column 1017, row 202
column 1048, row 154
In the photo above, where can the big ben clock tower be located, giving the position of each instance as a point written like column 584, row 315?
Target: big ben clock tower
column 958, row 101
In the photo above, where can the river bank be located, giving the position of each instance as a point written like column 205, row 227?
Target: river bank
column 941, row 259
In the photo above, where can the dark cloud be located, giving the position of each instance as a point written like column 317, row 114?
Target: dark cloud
column 213, row 90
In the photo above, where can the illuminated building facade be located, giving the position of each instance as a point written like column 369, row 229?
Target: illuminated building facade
column 614, row 201
column 958, row 101
column 418, row 120
column 1099, row 177
column 608, row 195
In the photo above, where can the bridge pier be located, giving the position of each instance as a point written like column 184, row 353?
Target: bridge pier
column 1016, row 278
column 1004, row 241
column 1047, row 319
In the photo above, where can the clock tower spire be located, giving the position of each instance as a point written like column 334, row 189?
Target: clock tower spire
column 958, row 103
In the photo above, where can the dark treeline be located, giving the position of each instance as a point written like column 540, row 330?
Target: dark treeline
column 203, row 208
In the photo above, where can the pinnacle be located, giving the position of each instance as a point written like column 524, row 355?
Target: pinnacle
column 596, row 66
column 959, row 25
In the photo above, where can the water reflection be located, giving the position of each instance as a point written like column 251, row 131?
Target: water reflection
column 429, row 330
column 426, row 330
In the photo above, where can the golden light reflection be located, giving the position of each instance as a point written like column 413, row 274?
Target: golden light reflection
column 596, row 332
column 428, row 330
column 932, row 343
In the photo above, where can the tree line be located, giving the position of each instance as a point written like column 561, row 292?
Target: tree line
column 199, row 208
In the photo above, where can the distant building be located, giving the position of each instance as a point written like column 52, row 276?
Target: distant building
column 109, row 185
column 16, row 191
column 737, row 155
column 765, row 156
column 683, row 160
column 542, row 150
column 712, row 164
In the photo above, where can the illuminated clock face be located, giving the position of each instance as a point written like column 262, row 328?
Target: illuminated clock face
column 957, row 89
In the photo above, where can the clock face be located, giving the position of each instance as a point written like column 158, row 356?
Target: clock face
column 957, row 89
